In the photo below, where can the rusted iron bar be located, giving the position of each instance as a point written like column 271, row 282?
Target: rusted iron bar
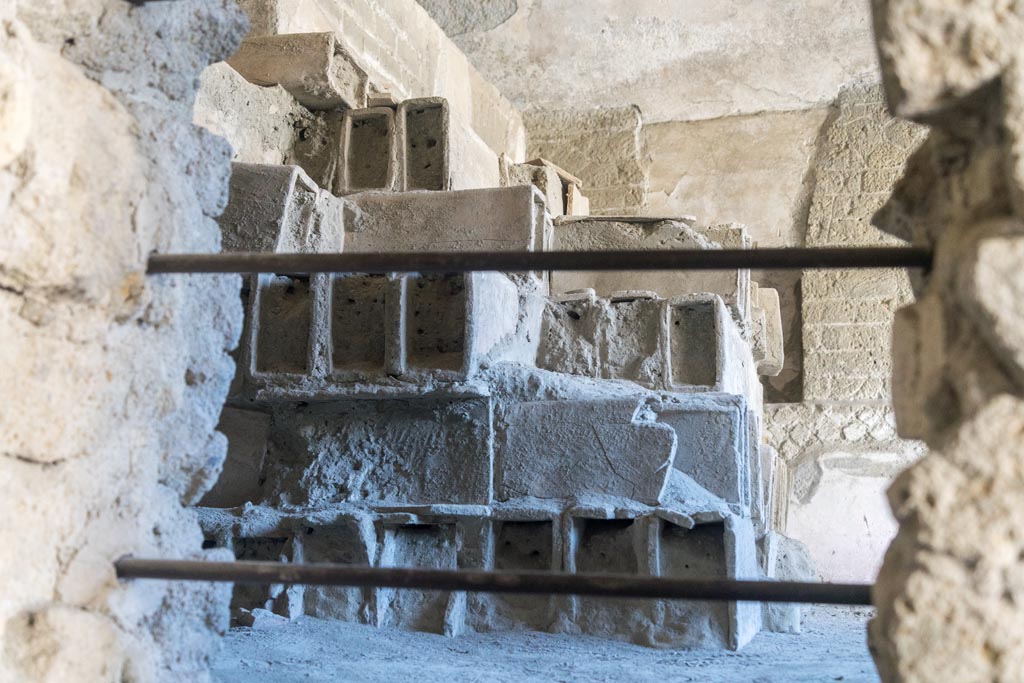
column 604, row 585
column 456, row 262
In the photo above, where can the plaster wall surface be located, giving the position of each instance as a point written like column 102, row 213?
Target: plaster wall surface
column 675, row 60
column 114, row 380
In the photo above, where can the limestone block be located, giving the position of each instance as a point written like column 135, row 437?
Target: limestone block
column 706, row 350
column 248, row 596
column 722, row 549
column 767, row 333
column 280, row 209
column 370, row 152
column 634, row 336
column 560, row 449
column 518, row 545
column 359, row 324
column 785, row 559
column 240, row 479
column 542, row 176
column 259, row 122
column 607, row 233
column 385, row 451
column 312, row 67
column 343, row 540
column 712, row 443
column 575, row 203
column 424, row 132
column 572, row 334
column 423, row 546
column 682, row 344
column 495, row 219
column 605, row 146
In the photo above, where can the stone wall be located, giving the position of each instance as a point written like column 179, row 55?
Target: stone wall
column 113, row 381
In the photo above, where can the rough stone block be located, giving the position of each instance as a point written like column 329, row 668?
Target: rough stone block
column 313, row 67
column 370, row 155
column 386, row 451
column 696, row 553
column 786, row 559
column 612, row 546
column 436, row 322
column 712, row 443
column 250, row 596
column 349, row 541
column 240, row 479
column 452, row 322
column 280, row 209
column 530, row 545
column 561, row 449
column 495, row 219
column 627, row 233
column 634, row 339
column 571, row 334
column 425, row 547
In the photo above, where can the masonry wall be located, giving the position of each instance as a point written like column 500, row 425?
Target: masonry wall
column 112, row 381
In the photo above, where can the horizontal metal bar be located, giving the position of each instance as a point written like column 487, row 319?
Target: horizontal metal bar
column 455, row 262
column 560, row 583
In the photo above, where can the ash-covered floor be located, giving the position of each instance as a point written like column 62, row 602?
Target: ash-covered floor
column 831, row 648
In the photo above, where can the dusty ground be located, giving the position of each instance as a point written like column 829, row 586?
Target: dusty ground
column 832, row 648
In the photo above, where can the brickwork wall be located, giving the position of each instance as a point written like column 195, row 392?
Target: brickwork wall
column 848, row 315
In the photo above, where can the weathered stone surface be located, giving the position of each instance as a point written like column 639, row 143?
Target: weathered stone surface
column 768, row 344
column 385, row 451
column 260, row 123
column 240, row 480
column 596, row 234
column 712, row 443
column 787, row 559
column 496, row 219
column 676, row 61
column 947, row 597
column 947, row 590
column 556, row 449
column 312, row 67
column 119, row 378
column 847, row 315
column 279, row 209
